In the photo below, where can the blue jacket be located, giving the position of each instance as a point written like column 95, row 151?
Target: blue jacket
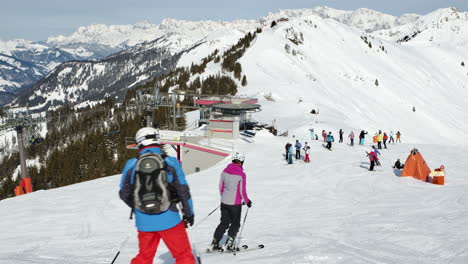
column 329, row 138
column 376, row 151
column 291, row 150
column 298, row 146
column 170, row 218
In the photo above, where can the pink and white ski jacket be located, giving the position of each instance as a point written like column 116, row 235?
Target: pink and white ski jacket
column 232, row 185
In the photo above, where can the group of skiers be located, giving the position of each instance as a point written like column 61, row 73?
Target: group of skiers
column 380, row 138
column 298, row 146
column 329, row 139
column 153, row 185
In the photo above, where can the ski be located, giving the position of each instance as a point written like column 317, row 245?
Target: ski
column 242, row 248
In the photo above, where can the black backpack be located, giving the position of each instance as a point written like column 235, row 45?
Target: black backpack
column 151, row 193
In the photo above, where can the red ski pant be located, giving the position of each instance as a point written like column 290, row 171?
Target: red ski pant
column 176, row 240
column 307, row 158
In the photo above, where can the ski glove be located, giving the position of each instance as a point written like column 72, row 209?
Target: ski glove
column 249, row 204
column 188, row 220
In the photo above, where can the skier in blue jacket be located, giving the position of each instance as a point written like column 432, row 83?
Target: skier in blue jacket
column 298, row 149
column 166, row 225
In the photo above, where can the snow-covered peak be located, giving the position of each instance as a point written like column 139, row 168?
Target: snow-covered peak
column 364, row 19
column 111, row 35
column 130, row 35
column 8, row 47
column 441, row 26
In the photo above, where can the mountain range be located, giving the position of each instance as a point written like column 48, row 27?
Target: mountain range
column 100, row 61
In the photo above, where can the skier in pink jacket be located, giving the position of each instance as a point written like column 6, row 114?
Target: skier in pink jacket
column 233, row 190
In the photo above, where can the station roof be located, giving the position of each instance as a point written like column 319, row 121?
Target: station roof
column 236, row 109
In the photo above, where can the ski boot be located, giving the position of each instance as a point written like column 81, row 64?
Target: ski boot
column 229, row 246
column 214, row 246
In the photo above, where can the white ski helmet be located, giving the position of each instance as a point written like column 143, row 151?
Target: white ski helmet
column 238, row 156
column 147, row 136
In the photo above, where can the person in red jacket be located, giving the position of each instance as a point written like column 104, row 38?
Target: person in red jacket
column 372, row 157
column 385, row 138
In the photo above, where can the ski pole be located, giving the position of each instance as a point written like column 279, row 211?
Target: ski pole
column 214, row 210
column 124, row 242
column 242, row 229
column 120, row 249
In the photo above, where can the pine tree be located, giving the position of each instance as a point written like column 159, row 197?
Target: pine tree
column 244, row 81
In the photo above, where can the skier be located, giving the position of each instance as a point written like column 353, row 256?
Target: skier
column 341, row 135
column 351, row 138
column 372, row 157
column 391, row 137
column 379, row 139
column 330, row 139
column 324, row 135
column 290, row 154
column 298, row 149
column 377, row 153
column 398, row 136
column 398, row 165
column 312, row 134
column 362, row 136
column 307, row 151
column 232, row 187
column 304, row 148
column 385, row 138
column 167, row 224
column 288, row 145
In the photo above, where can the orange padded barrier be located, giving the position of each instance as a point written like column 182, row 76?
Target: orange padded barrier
column 27, row 185
column 19, row 191
column 416, row 167
column 438, row 175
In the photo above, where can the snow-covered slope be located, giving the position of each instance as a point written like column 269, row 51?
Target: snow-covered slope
column 373, row 86
column 331, row 210
column 447, row 25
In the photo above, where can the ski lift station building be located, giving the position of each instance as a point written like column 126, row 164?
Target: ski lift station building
column 227, row 116
column 203, row 147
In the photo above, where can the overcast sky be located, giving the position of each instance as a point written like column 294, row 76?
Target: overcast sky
column 39, row 19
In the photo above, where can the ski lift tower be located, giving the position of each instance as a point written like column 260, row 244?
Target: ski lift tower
column 19, row 119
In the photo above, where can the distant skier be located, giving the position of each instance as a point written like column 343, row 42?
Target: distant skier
column 372, row 157
column 398, row 165
column 398, row 136
column 362, row 136
column 377, row 154
column 288, row 145
column 392, row 137
column 385, row 138
column 351, row 138
column 330, row 139
column 233, row 190
column 304, row 148
column 312, row 134
column 298, row 147
column 307, row 152
column 324, row 135
column 290, row 154
column 341, row 135
column 379, row 139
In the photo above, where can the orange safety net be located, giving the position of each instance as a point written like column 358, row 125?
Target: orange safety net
column 416, row 167
column 27, row 185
